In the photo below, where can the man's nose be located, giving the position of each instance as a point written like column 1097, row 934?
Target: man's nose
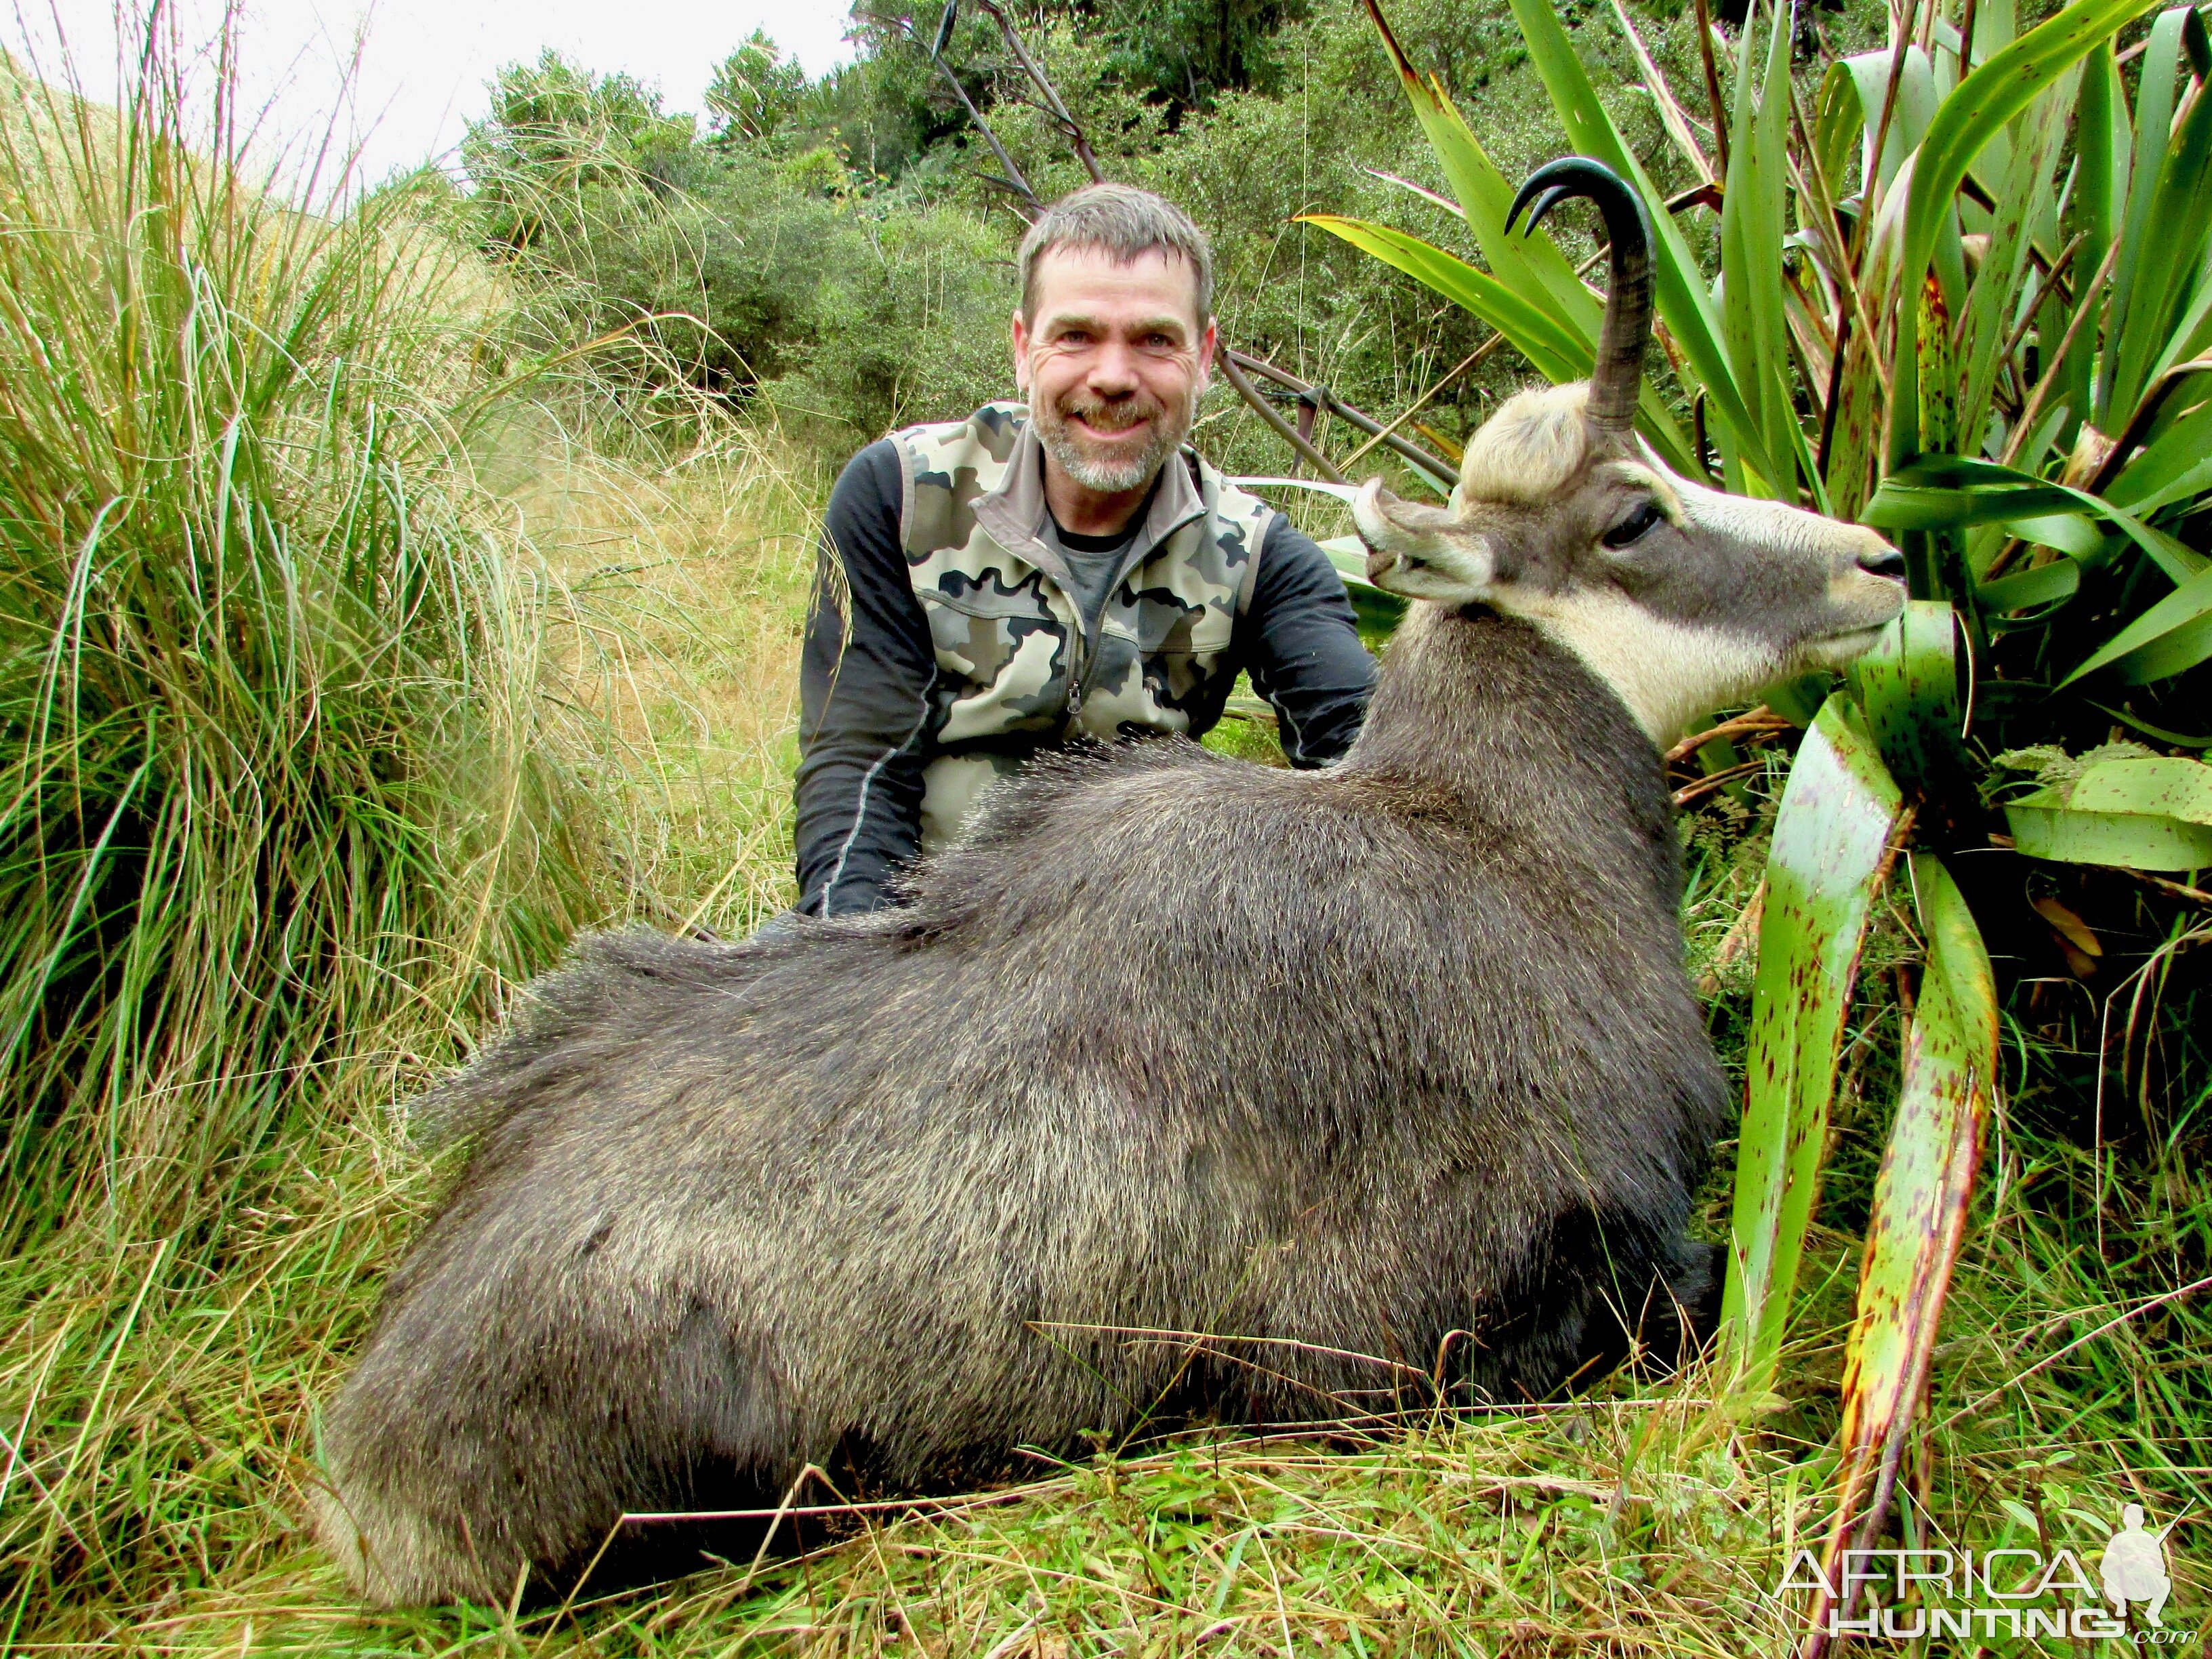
column 1113, row 370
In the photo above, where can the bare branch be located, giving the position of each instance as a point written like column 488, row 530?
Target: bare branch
column 1013, row 179
column 1035, row 72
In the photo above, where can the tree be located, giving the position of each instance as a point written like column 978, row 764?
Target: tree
column 1183, row 52
column 555, row 130
column 756, row 91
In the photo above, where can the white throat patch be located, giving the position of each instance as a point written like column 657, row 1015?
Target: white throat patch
column 1667, row 673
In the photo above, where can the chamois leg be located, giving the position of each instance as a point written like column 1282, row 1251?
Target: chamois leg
column 505, row 1421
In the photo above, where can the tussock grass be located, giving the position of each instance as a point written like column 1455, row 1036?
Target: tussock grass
column 314, row 746
column 266, row 675
column 161, row 1385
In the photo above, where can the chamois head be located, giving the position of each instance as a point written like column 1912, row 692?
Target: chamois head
column 1680, row 598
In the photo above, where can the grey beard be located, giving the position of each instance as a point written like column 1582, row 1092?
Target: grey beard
column 1109, row 479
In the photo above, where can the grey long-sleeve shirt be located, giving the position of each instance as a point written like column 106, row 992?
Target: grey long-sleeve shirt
column 869, row 667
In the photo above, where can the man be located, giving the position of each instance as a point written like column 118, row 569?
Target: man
column 1029, row 577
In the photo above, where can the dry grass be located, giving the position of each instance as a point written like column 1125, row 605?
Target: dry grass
column 687, row 583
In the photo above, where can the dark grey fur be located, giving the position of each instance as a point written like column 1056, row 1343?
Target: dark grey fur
column 1353, row 1060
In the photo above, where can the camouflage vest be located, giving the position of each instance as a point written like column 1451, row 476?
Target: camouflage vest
column 1016, row 672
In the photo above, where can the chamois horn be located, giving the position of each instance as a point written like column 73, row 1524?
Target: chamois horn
column 1618, row 375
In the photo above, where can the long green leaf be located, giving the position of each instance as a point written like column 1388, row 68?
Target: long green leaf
column 2155, row 76
column 1558, row 353
column 2024, row 201
column 1980, row 108
column 2164, row 734
column 2103, row 140
column 2173, row 467
column 1839, row 123
column 1913, row 109
column 2163, row 284
column 2044, row 827
column 1920, row 1199
column 2162, row 784
column 1754, row 226
column 2098, row 197
column 2171, row 638
column 2069, row 532
column 1532, row 266
column 1908, row 687
column 1537, row 333
column 2024, row 590
column 1985, row 102
column 1952, row 492
column 1831, row 837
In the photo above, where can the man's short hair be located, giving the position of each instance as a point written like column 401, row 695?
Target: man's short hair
column 1124, row 223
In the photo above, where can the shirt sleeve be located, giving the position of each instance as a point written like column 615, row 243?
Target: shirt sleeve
column 864, row 677
column 1305, row 654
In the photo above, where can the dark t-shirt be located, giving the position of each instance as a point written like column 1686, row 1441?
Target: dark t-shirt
column 867, row 715
column 1092, row 561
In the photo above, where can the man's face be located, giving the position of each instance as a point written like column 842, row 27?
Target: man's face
column 1113, row 363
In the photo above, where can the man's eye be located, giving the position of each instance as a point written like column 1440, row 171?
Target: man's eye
column 1629, row 528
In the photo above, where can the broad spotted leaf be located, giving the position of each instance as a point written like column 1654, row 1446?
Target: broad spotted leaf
column 1831, row 837
column 1920, row 1197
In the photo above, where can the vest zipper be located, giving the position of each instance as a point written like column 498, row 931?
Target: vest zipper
column 1084, row 642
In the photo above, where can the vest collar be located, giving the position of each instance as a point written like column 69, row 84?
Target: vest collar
column 1012, row 511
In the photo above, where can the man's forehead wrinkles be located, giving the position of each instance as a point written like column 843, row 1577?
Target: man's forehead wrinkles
column 1165, row 322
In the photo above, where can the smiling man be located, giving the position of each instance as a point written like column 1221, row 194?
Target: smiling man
column 1035, row 576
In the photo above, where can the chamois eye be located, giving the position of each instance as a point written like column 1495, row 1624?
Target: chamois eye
column 1629, row 528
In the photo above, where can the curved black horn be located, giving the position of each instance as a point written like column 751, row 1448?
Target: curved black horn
column 1618, row 377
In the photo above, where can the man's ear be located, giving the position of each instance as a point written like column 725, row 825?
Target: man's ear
column 1208, row 344
column 1021, row 338
column 1422, row 552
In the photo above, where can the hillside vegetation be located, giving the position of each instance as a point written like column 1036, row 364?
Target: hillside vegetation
column 394, row 583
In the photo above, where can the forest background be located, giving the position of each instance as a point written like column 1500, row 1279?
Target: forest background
column 845, row 248
column 515, row 480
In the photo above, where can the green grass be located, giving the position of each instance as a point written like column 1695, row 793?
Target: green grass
column 265, row 666
column 1639, row 1521
column 318, row 741
column 476, row 667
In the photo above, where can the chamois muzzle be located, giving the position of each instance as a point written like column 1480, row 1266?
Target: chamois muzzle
column 1616, row 379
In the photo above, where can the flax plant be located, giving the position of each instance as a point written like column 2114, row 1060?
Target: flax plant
column 1927, row 314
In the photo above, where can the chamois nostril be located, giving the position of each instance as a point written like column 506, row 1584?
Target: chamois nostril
column 1883, row 561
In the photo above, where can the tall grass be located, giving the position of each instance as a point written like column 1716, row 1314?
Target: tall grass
column 272, row 773
column 357, row 647
column 685, row 580
column 282, row 805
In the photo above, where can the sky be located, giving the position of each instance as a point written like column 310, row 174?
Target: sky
column 423, row 63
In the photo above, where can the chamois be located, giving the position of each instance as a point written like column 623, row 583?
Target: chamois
column 1181, row 1086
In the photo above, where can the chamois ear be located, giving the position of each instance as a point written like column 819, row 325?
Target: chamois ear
column 1422, row 552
